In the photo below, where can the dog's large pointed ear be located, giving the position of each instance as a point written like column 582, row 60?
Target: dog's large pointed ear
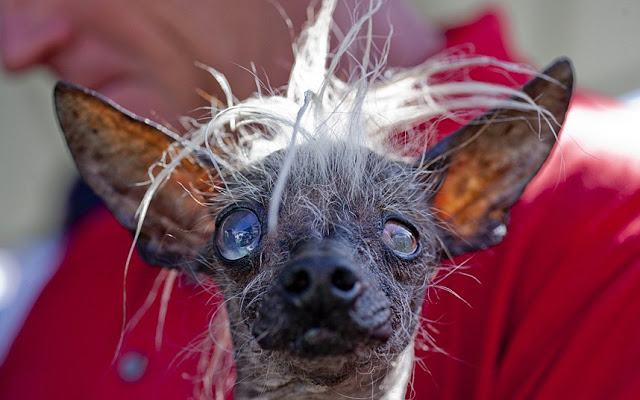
column 488, row 163
column 115, row 151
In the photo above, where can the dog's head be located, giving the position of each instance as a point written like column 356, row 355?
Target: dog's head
column 321, row 231
column 336, row 284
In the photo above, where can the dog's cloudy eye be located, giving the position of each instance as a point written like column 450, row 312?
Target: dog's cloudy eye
column 399, row 238
column 238, row 234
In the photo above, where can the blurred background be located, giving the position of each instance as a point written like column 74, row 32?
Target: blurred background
column 36, row 171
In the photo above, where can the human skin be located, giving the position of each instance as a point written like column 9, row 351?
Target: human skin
column 142, row 53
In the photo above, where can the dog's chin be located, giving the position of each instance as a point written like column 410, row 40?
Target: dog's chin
column 327, row 356
column 320, row 341
column 328, row 368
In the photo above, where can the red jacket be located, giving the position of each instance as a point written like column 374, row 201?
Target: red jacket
column 552, row 313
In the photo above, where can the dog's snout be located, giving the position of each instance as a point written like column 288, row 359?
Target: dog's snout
column 323, row 303
column 320, row 283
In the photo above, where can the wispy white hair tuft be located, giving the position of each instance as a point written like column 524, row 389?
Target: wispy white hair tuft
column 360, row 113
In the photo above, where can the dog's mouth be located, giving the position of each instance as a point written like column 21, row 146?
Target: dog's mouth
column 336, row 337
column 322, row 341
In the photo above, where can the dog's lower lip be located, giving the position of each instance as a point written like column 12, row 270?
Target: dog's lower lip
column 320, row 341
column 319, row 335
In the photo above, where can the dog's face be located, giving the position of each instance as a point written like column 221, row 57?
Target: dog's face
column 344, row 272
column 335, row 287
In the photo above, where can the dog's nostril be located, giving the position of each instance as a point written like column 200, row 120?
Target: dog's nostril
column 320, row 284
column 343, row 279
column 298, row 282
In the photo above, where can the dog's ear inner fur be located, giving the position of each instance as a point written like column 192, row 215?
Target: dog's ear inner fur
column 488, row 163
column 114, row 151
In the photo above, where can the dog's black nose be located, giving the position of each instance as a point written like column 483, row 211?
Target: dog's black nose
column 320, row 283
